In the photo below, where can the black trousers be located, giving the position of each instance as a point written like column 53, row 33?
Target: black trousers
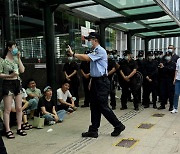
column 86, row 92
column 74, row 87
column 112, row 93
column 149, row 87
column 126, row 86
column 167, row 92
column 99, row 104
column 2, row 147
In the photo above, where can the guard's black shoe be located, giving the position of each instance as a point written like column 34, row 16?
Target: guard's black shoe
column 84, row 106
column 136, row 109
column 90, row 134
column 118, row 130
column 170, row 108
column 123, row 108
column 146, row 106
column 113, row 108
column 154, row 106
column 161, row 107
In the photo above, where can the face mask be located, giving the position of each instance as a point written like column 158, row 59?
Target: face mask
column 89, row 44
column 14, row 51
column 150, row 57
column 170, row 50
column 160, row 56
column 111, row 57
column 126, row 57
column 168, row 58
column 70, row 58
column 140, row 58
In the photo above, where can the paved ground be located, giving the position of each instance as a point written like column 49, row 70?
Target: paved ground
column 65, row 138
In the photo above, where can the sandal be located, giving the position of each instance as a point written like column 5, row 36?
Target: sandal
column 28, row 125
column 10, row 135
column 21, row 132
column 24, row 127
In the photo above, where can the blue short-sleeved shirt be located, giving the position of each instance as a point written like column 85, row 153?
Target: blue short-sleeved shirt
column 98, row 63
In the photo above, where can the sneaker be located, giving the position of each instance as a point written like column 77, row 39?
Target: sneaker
column 174, row 111
column 51, row 122
column 117, row 130
column 70, row 110
column 90, row 134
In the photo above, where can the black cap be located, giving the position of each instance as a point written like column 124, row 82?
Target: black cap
column 126, row 52
column 156, row 52
column 93, row 35
column 150, row 53
column 160, row 52
column 140, row 53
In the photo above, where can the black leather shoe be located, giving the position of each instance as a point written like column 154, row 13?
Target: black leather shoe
column 123, row 108
column 161, row 107
column 171, row 108
column 136, row 109
column 90, row 134
column 113, row 108
column 84, row 106
column 146, row 106
column 117, row 130
column 154, row 106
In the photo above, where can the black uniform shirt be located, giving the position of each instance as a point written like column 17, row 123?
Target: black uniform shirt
column 128, row 67
column 111, row 64
column 85, row 66
column 70, row 67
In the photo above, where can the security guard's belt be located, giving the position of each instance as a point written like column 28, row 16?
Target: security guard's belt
column 99, row 78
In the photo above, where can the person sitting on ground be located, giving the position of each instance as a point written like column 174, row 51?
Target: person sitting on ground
column 64, row 98
column 47, row 108
column 34, row 94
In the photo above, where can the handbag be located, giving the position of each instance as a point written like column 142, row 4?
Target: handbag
column 38, row 122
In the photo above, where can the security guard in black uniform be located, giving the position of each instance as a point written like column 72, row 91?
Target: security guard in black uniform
column 167, row 71
column 159, row 58
column 99, row 88
column 150, row 80
column 140, row 63
column 111, row 71
column 128, row 70
column 85, row 71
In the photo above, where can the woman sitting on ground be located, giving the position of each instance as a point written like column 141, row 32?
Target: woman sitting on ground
column 47, row 108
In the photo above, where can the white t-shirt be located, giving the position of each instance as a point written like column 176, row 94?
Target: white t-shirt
column 61, row 95
column 178, row 69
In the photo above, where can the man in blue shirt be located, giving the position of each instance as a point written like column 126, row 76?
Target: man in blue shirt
column 99, row 87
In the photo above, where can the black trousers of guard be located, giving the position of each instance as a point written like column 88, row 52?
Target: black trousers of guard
column 99, row 104
column 167, row 92
column 148, row 88
column 2, row 147
column 86, row 91
column 112, row 93
column 126, row 88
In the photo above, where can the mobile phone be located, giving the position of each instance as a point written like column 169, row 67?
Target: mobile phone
column 11, row 72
